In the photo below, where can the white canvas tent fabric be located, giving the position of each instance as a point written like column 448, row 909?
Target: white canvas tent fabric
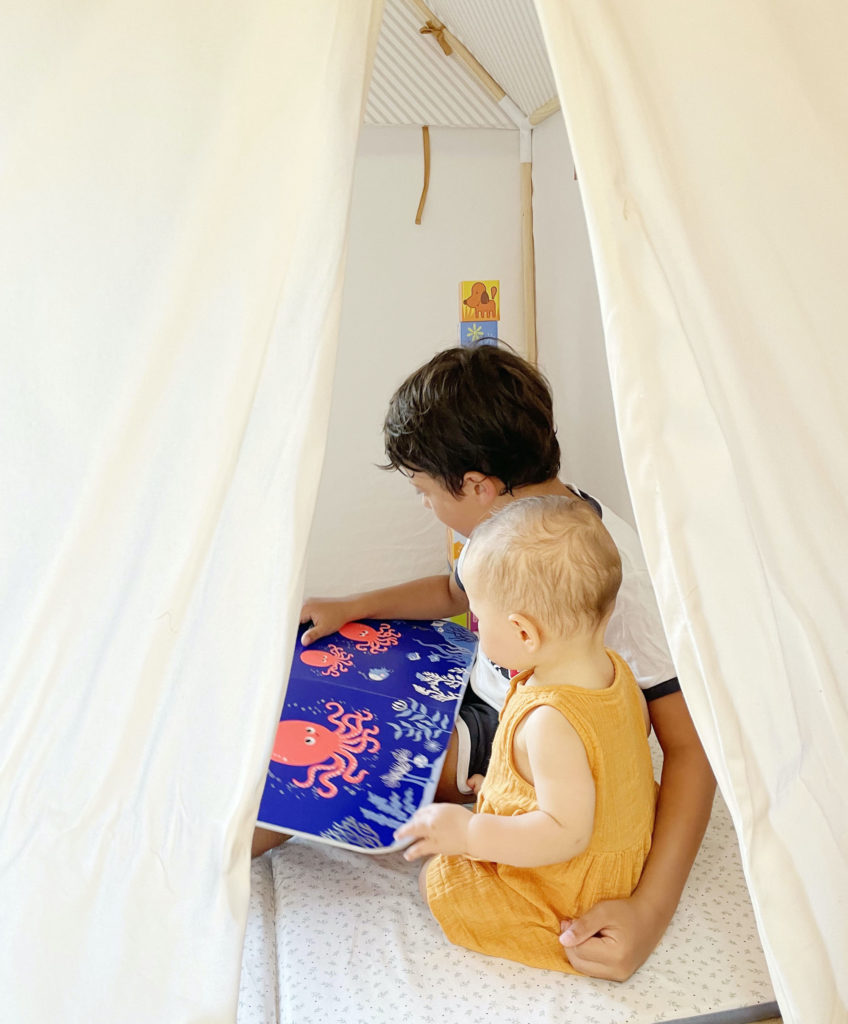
column 174, row 184
column 173, row 189
column 711, row 150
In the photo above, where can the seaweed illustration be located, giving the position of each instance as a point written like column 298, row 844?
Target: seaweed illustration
column 393, row 812
column 417, row 722
column 354, row 833
column 401, row 771
column 452, row 679
column 456, row 635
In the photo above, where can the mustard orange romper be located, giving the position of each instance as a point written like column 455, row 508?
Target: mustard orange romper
column 516, row 912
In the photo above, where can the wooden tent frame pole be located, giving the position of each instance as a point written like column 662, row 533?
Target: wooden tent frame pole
column 464, row 54
column 528, row 263
column 544, row 112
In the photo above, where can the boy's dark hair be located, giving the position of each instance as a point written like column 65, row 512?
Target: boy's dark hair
column 482, row 409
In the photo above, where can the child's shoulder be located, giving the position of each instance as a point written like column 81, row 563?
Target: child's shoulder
column 548, row 742
column 545, row 722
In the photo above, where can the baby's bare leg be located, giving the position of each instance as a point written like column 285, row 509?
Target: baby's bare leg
column 422, row 880
column 265, row 839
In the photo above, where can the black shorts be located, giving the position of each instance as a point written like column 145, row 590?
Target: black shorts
column 475, row 729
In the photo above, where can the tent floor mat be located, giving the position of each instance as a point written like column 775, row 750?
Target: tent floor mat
column 335, row 935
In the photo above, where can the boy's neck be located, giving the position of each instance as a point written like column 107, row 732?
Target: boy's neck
column 552, row 486
column 577, row 661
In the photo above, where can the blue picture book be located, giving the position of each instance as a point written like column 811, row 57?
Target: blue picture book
column 364, row 730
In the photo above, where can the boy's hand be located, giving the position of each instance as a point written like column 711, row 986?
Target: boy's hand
column 474, row 783
column 328, row 615
column 612, row 940
column 439, row 828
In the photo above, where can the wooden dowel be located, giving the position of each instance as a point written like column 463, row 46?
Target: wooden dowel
column 425, row 135
column 463, row 53
column 544, row 112
column 528, row 263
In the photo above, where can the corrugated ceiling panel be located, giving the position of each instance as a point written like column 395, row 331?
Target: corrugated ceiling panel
column 414, row 83
column 505, row 36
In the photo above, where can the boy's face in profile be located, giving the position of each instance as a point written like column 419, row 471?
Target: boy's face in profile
column 460, row 512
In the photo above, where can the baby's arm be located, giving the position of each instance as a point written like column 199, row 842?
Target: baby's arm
column 559, row 830
column 433, row 597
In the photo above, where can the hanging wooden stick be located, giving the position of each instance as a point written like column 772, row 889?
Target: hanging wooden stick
column 425, row 134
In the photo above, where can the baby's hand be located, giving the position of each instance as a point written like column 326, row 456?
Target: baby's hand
column 439, row 828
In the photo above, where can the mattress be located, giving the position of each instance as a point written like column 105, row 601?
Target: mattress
column 336, row 935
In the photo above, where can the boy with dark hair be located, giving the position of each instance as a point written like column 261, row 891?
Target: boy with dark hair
column 473, row 430
column 483, row 409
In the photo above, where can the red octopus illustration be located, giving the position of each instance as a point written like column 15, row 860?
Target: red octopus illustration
column 373, row 640
column 335, row 658
column 329, row 753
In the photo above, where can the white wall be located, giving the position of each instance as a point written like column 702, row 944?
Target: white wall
column 570, row 334
column 400, row 307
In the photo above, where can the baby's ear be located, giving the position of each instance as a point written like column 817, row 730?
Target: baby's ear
column 526, row 630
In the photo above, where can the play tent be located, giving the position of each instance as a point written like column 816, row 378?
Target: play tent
column 175, row 190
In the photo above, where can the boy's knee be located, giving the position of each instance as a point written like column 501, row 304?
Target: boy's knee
column 447, row 788
column 265, row 839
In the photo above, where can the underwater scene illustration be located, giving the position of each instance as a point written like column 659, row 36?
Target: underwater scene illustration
column 362, row 736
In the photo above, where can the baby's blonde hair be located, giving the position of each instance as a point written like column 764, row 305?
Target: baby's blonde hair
column 550, row 558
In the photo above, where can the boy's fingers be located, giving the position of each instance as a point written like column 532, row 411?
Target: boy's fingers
column 595, row 945
column 570, row 936
column 582, row 928
column 600, row 956
column 595, row 957
column 306, row 619
column 474, row 783
column 319, row 625
column 315, row 632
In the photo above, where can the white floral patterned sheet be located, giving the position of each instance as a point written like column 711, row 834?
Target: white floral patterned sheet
column 338, row 936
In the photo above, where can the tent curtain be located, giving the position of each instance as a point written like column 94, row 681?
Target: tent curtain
column 710, row 146
column 174, row 189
